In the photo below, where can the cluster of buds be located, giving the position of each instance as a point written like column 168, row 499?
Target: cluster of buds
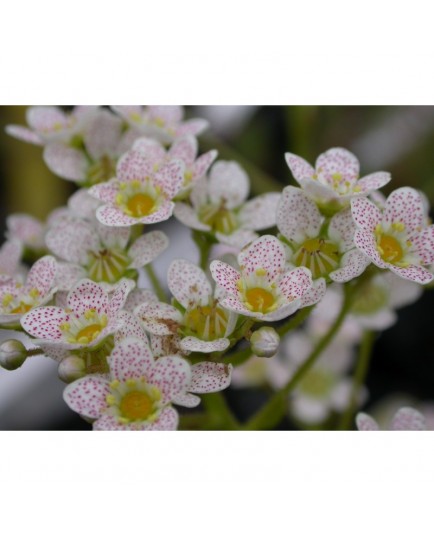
column 127, row 353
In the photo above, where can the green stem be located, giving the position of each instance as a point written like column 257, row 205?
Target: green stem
column 35, row 351
column 204, row 247
column 271, row 414
column 220, row 416
column 365, row 352
column 158, row 289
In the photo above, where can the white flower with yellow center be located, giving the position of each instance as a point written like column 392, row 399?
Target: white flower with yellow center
column 138, row 394
column 50, row 123
column 138, row 194
column 263, row 289
column 17, row 298
column 219, row 206
column 164, row 123
column 397, row 238
column 102, row 252
column 199, row 321
column 89, row 318
column 335, row 178
column 326, row 248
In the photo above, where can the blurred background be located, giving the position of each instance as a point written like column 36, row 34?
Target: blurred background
column 395, row 139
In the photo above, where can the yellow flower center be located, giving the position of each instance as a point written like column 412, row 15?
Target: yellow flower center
column 101, row 170
column 136, row 406
column 390, row 249
column 140, row 205
column 22, row 308
column 319, row 255
column 259, row 299
column 89, row 333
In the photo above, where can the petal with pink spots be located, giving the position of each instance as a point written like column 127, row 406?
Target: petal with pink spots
column 208, row 377
column 299, row 167
column 260, row 212
column 147, row 248
column 44, row 322
column 225, row 276
column 267, row 253
column 88, row 295
column 295, row 283
column 405, row 205
column 87, row 396
column 188, row 283
column 298, row 218
column 159, row 318
column 228, row 183
column 68, row 163
column 131, row 358
column 172, row 375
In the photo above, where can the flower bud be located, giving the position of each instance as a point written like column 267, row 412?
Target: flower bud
column 71, row 368
column 265, row 341
column 13, row 353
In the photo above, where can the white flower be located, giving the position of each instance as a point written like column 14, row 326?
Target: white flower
column 404, row 419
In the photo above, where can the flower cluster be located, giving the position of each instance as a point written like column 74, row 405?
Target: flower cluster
column 331, row 247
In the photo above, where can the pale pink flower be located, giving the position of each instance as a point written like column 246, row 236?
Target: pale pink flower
column 17, row 298
column 329, row 253
column 184, row 149
column 262, row 289
column 199, row 322
column 405, row 419
column 397, row 238
column 137, row 395
column 93, row 160
column 27, row 230
column 90, row 317
column 335, row 178
column 103, row 252
column 50, row 123
column 138, row 194
column 10, row 257
column 164, row 123
column 219, row 206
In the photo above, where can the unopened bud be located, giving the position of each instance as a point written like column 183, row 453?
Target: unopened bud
column 265, row 342
column 71, row 368
column 13, row 353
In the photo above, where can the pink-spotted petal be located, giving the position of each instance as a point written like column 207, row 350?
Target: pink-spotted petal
column 137, row 297
column 321, row 193
column 423, row 245
column 405, row 205
column 152, row 149
column 114, row 217
column 67, row 275
column 193, row 344
column 298, row 218
column 134, row 165
column 131, row 327
column 186, row 215
column 167, row 421
column 71, row 239
column 27, row 229
column 186, row 400
column 408, row 419
column 233, row 303
column 44, row 322
column 260, row 212
column 267, row 253
column 119, row 296
column 184, row 149
column 315, row 293
column 282, row 312
column 225, row 276
column 10, row 255
column 105, row 192
column 238, row 239
column 24, row 134
column 45, row 118
column 418, row 274
column 353, row 263
column 172, row 375
column 208, row 377
column 166, row 113
column 337, row 161
column 159, row 318
column 42, row 274
column 147, row 248
column 88, row 295
column 84, row 205
column 170, row 177
column 162, row 214
column 299, row 167
column 127, row 112
column 341, row 229
column 295, row 283
column 131, row 358
column 188, row 283
column 366, row 423
column 228, row 184
column 203, row 163
column 110, row 423
column 87, row 396
column 365, row 242
column 102, row 134
column 68, row 163
column 374, row 181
